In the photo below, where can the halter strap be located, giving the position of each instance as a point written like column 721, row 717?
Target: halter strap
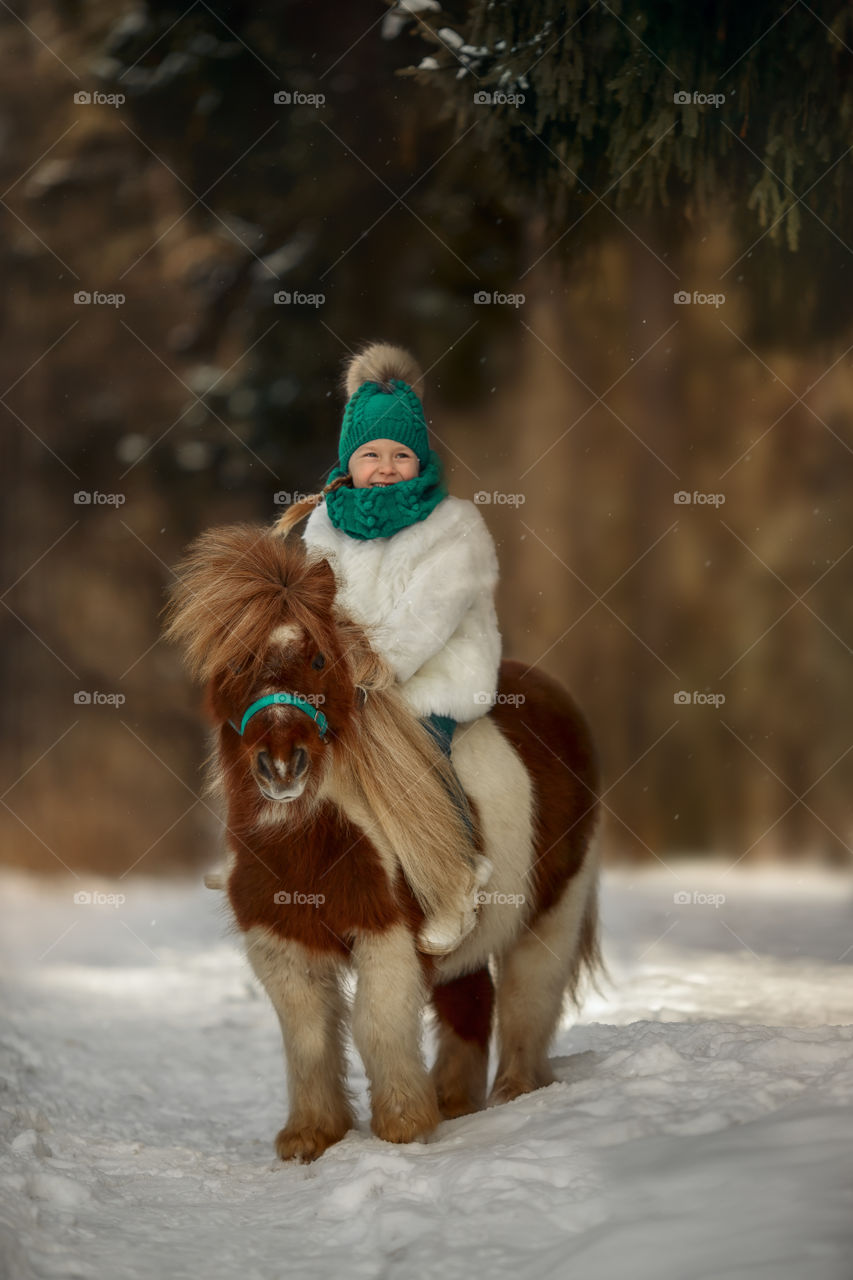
column 291, row 699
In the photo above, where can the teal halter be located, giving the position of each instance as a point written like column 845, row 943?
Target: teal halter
column 292, row 699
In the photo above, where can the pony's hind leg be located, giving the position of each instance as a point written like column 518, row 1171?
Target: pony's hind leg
column 304, row 987
column 463, row 1025
column 386, row 1026
column 533, row 977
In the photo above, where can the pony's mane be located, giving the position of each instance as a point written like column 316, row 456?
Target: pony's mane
column 392, row 766
column 235, row 586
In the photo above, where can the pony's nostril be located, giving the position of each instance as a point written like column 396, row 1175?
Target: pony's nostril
column 264, row 765
column 299, row 762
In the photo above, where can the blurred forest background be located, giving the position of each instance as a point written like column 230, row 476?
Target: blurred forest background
column 579, row 165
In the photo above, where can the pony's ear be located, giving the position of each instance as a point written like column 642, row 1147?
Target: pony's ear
column 215, row 704
column 322, row 566
column 323, row 581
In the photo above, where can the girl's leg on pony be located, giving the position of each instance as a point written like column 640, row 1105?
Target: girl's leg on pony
column 442, row 934
column 441, row 728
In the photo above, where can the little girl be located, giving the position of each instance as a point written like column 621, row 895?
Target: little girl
column 415, row 566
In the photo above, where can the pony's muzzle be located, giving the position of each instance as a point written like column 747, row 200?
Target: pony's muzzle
column 280, row 779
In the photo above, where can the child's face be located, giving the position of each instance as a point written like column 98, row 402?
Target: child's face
column 381, row 462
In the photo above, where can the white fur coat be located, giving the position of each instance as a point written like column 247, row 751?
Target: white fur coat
column 426, row 595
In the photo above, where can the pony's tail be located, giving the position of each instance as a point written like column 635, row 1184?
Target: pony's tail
column 588, row 960
column 299, row 510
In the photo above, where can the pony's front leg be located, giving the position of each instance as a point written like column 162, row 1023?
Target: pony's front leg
column 304, row 987
column 390, row 995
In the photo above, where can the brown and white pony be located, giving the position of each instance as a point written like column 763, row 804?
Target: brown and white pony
column 336, row 805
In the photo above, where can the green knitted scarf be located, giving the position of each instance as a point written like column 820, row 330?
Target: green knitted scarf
column 381, row 511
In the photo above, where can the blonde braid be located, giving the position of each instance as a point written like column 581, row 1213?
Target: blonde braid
column 299, row 510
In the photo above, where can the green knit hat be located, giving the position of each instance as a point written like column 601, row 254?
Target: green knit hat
column 375, row 413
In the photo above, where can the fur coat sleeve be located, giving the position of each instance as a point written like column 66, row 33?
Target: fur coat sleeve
column 426, row 595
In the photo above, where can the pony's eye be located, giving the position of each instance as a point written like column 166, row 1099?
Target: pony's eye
column 319, row 662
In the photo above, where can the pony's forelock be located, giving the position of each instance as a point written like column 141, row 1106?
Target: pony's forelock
column 235, row 586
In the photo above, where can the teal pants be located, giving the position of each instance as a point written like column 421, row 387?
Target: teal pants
column 441, row 729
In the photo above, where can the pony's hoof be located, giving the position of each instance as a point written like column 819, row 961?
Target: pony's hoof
column 508, row 1088
column 512, row 1084
column 406, row 1121
column 452, row 1107
column 305, row 1144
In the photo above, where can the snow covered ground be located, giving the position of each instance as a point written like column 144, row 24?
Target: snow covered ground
column 701, row 1128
